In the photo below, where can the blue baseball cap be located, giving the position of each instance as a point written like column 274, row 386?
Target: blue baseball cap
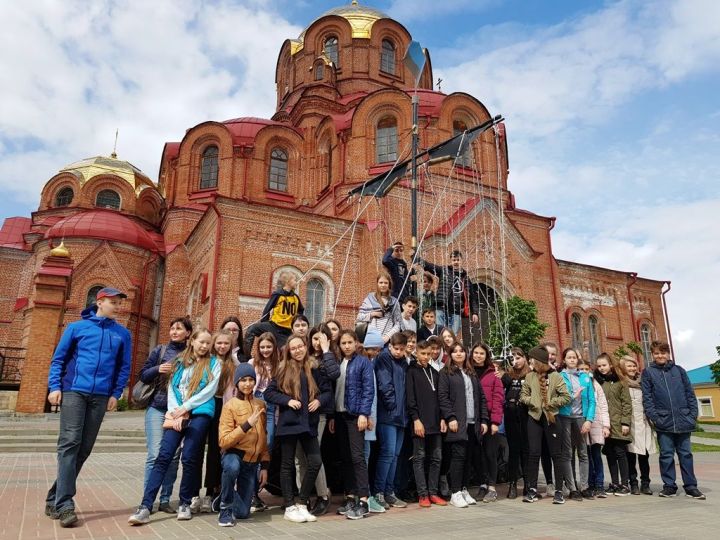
column 108, row 292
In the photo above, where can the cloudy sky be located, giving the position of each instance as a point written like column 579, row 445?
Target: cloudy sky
column 613, row 109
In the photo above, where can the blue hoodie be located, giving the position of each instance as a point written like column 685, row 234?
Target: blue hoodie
column 93, row 357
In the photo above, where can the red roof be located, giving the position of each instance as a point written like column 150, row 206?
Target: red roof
column 244, row 130
column 106, row 225
column 172, row 149
column 11, row 234
column 430, row 101
column 460, row 214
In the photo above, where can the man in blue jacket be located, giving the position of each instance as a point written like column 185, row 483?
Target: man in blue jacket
column 670, row 404
column 88, row 374
column 397, row 268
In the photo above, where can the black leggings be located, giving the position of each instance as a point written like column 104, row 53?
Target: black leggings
column 473, row 457
column 352, row 455
column 643, row 462
column 490, row 458
column 516, row 431
column 538, row 431
column 311, row 447
column 458, row 450
column 615, row 452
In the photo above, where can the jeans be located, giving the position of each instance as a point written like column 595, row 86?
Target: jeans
column 451, row 320
column 643, row 463
column 427, row 448
column 154, row 419
column 615, row 452
column 193, row 447
column 390, row 439
column 539, row 430
column 563, row 464
column 458, row 450
column 321, row 487
column 352, row 444
column 671, row 443
column 596, row 473
column 288, row 446
column 80, row 418
column 474, row 456
column 578, row 444
column 270, row 423
column 236, row 472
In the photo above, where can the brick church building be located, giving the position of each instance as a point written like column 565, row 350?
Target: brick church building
column 238, row 201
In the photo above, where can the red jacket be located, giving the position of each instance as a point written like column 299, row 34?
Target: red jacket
column 494, row 394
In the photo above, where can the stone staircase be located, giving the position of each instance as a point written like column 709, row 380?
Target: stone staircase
column 123, row 432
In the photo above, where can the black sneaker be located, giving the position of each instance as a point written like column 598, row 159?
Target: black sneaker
column 695, row 493
column 257, row 504
column 621, row 491
column 512, row 491
column 481, row 493
column 634, row 489
column 67, row 517
column 166, row 508
column 588, row 494
column 343, row 509
column 531, row 496
column 645, row 489
column 576, row 496
column 600, row 493
column 321, row 506
column 611, row 489
column 50, row 511
column 358, row 511
column 559, row 498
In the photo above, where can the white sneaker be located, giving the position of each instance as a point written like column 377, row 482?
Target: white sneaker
column 195, row 504
column 184, row 512
column 292, row 513
column 467, row 497
column 458, row 501
column 304, row 512
column 206, row 504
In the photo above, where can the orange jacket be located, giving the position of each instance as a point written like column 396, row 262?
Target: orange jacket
column 236, row 434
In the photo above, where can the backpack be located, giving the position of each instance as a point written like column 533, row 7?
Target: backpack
column 142, row 393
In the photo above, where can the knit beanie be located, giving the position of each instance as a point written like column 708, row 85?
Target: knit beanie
column 539, row 354
column 373, row 339
column 244, row 370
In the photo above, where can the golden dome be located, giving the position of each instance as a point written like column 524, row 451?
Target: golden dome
column 60, row 251
column 91, row 167
column 361, row 19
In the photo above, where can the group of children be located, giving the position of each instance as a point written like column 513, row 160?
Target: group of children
column 392, row 399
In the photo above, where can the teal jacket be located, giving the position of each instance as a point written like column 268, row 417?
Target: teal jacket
column 203, row 399
column 587, row 396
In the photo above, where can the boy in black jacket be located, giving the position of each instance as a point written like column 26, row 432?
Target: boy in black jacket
column 277, row 316
column 424, row 412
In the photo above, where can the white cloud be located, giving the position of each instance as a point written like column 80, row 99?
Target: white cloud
column 153, row 69
column 577, row 72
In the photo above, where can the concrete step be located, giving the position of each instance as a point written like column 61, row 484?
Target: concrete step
column 32, row 433
column 100, row 447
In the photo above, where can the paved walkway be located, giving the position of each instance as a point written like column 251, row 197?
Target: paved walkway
column 110, row 486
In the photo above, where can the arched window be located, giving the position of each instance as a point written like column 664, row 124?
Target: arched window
column 387, row 57
column 277, row 179
column 330, row 47
column 91, row 297
column 209, row 168
column 64, row 197
column 386, row 140
column 577, row 332
column 325, row 161
column 646, row 340
column 319, row 72
column 594, row 342
column 108, row 198
column 465, row 160
column 315, row 301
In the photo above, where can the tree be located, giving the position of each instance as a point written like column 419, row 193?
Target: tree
column 520, row 319
column 625, row 350
column 715, row 368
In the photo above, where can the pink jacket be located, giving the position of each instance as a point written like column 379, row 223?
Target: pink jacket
column 494, row 395
column 602, row 416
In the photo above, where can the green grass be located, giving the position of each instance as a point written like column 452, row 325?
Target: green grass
column 708, row 434
column 697, row 447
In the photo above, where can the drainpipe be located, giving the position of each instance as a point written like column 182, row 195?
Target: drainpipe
column 633, row 277
column 554, row 284
column 216, row 259
column 138, row 315
column 667, row 319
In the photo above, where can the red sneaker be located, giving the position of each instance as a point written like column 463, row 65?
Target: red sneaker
column 425, row 502
column 438, row 500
